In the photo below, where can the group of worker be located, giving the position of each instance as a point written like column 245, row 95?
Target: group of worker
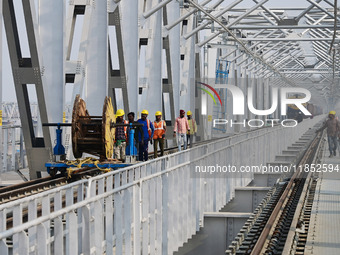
column 154, row 132
column 333, row 132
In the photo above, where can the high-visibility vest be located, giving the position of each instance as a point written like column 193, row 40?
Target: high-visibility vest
column 159, row 129
column 125, row 128
column 193, row 127
column 149, row 127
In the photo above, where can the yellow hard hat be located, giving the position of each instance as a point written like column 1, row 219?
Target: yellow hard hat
column 189, row 113
column 158, row 113
column 332, row 112
column 145, row 112
column 120, row 112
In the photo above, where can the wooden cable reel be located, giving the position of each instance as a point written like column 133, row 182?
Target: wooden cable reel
column 92, row 134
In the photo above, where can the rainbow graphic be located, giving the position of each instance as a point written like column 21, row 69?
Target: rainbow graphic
column 208, row 92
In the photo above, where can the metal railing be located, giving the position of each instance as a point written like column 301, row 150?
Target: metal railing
column 12, row 148
column 150, row 208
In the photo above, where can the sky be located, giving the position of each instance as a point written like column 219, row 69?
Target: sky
column 7, row 77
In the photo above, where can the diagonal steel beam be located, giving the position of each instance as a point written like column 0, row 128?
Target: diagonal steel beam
column 185, row 16
column 240, row 42
column 207, row 22
column 269, row 12
column 306, row 11
column 316, row 4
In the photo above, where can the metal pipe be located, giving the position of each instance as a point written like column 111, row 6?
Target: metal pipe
column 170, row 26
column 305, row 11
column 288, row 39
column 156, row 8
column 315, row 23
column 231, row 24
column 251, row 47
column 251, row 27
column 334, row 32
column 272, row 22
column 204, row 24
column 200, row 44
column 228, row 54
column 269, row 12
column 322, row 9
column 242, row 44
column 244, row 60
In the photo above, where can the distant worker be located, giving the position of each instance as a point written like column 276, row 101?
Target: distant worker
column 193, row 129
column 138, row 130
column 181, row 128
column 159, row 134
column 333, row 127
column 120, row 136
column 148, row 130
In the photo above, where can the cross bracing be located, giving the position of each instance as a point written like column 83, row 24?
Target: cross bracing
column 147, row 54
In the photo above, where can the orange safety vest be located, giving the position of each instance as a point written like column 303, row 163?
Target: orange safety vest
column 125, row 128
column 149, row 128
column 159, row 129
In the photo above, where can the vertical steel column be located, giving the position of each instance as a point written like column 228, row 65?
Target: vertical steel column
column 266, row 95
column 117, row 77
column 51, row 31
column 129, row 24
column 244, row 88
column 5, row 147
column 233, row 81
column 260, row 94
column 78, row 68
column 188, row 68
column 200, row 135
column 152, row 95
column 210, row 79
column 28, row 71
column 13, row 148
column 238, row 81
column 1, row 114
column 97, row 56
column 22, row 156
column 173, row 58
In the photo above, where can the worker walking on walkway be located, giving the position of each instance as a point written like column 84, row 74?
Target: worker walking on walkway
column 181, row 128
column 193, row 129
column 333, row 128
column 148, row 130
column 159, row 134
column 120, row 136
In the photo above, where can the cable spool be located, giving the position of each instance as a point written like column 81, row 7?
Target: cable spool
column 92, row 134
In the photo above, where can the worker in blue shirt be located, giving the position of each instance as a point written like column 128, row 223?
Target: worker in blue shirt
column 148, row 130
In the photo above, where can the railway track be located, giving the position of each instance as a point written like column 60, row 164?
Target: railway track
column 268, row 233
column 14, row 192
column 17, row 191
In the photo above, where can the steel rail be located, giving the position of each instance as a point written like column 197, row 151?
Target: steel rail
column 274, row 215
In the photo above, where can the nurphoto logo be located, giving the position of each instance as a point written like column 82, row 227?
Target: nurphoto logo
column 277, row 95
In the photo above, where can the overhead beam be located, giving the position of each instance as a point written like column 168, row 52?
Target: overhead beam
column 250, row 27
column 287, row 39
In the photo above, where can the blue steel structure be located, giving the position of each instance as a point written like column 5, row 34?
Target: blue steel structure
column 222, row 73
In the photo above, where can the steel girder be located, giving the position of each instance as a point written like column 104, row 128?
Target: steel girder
column 29, row 70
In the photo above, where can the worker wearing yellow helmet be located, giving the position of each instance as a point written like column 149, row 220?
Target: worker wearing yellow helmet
column 120, row 136
column 333, row 127
column 159, row 134
column 193, row 129
column 148, row 130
